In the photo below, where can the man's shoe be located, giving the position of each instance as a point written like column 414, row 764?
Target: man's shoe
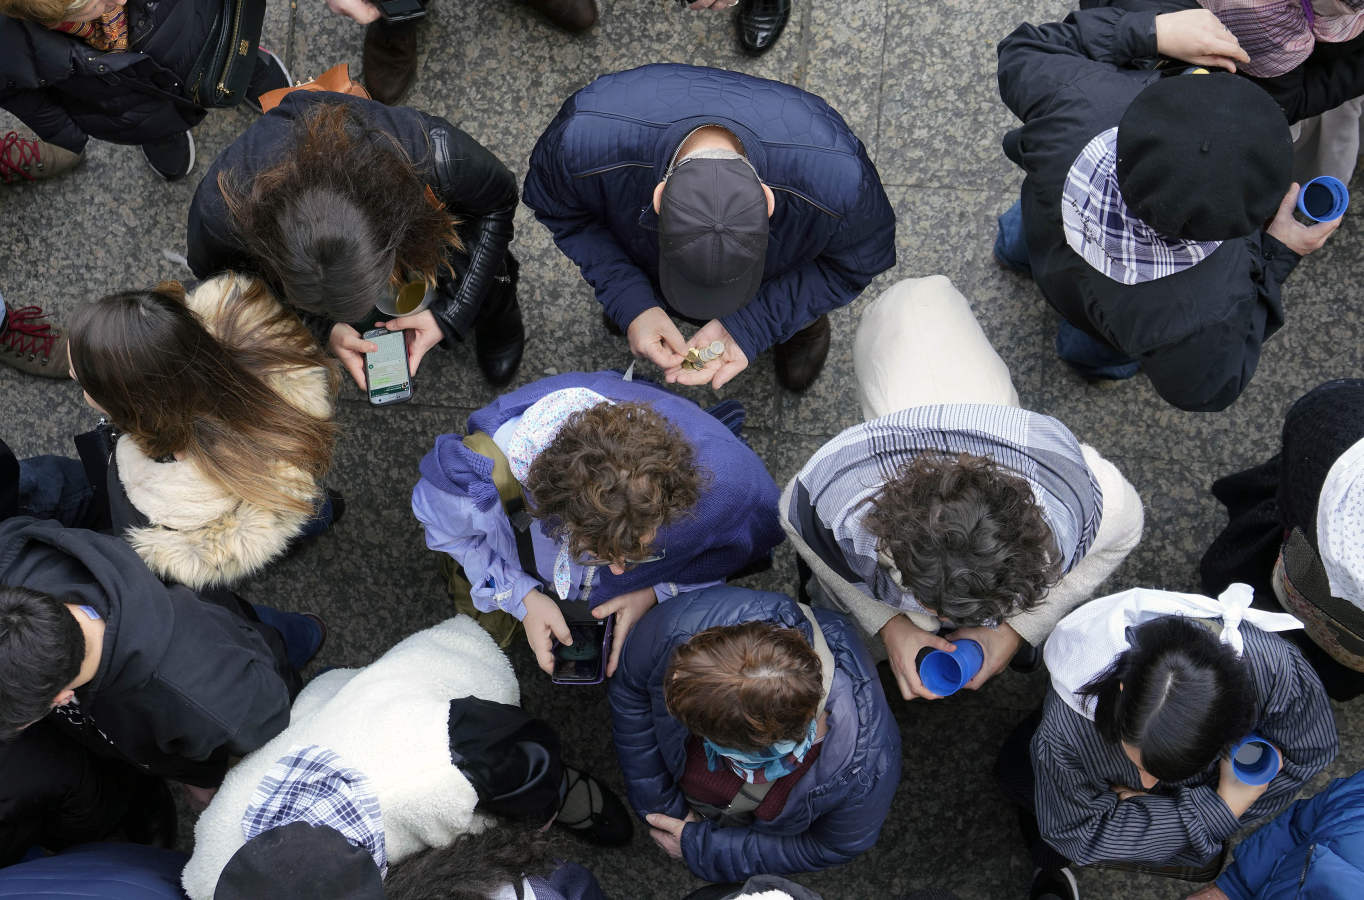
column 800, row 359
column 500, row 335
column 31, row 344
column 29, row 159
column 172, row 158
column 760, row 23
column 269, row 75
column 390, row 60
column 1054, row 884
column 592, row 812
column 570, row 15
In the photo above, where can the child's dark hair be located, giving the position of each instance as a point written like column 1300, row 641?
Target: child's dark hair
column 1177, row 694
column 474, row 866
column 41, row 650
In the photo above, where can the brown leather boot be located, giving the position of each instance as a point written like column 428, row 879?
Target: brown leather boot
column 570, row 15
column 390, row 60
column 800, row 360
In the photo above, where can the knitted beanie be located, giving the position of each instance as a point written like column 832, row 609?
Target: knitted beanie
column 1204, row 157
column 1319, row 427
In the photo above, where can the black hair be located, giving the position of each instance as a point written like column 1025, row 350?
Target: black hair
column 1178, row 695
column 474, row 866
column 41, row 651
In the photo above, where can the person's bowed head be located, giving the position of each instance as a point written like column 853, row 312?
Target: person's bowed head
column 969, row 542
column 1178, row 701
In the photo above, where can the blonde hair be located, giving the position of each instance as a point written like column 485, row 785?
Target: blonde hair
column 44, row 12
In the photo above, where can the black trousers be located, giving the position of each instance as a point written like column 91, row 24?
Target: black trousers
column 55, row 793
column 1014, row 773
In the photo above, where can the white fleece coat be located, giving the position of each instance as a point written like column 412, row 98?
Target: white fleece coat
column 200, row 535
column 390, row 721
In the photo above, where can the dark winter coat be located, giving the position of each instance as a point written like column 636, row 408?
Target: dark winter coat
column 183, row 682
column 108, row 871
column 1197, row 333
column 473, row 184
column 1332, row 74
column 593, row 172
column 67, row 91
column 835, row 810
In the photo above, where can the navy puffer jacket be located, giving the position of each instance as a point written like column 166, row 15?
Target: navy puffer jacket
column 67, row 91
column 593, row 172
column 836, row 809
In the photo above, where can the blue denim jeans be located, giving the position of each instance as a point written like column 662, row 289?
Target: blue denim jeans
column 1090, row 357
column 302, row 635
column 1010, row 248
column 55, row 487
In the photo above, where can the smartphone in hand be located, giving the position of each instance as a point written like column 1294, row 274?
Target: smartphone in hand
column 584, row 661
column 387, row 379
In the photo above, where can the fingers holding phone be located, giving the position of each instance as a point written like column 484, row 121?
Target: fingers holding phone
column 387, row 378
column 544, row 623
column 349, row 349
column 423, row 333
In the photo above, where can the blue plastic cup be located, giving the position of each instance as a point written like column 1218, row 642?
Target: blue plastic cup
column 1323, row 199
column 1255, row 760
column 944, row 673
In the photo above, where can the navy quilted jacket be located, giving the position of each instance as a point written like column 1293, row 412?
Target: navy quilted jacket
column 593, row 173
column 836, row 809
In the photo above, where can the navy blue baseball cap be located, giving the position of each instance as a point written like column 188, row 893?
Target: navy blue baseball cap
column 712, row 236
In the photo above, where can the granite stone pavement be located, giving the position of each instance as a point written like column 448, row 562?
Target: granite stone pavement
column 915, row 79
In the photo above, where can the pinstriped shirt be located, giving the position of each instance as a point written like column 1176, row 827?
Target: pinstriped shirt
column 833, row 489
column 1183, row 823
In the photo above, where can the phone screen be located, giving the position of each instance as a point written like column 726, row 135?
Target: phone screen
column 582, row 661
column 386, row 368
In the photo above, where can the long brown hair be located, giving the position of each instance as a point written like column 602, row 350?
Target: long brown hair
column 341, row 218
column 175, row 389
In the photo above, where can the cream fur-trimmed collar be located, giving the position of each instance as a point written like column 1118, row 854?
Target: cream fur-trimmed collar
column 200, row 535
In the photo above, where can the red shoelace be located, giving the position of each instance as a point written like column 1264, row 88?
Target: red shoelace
column 15, row 153
column 24, row 334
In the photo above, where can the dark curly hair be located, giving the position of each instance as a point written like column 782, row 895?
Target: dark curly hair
column 613, row 476
column 745, row 686
column 967, row 536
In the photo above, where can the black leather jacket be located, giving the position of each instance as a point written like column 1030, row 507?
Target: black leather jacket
column 473, row 184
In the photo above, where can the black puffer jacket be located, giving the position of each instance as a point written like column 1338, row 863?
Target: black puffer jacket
column 473, row 184
column 68, row 92
column 1198, row 332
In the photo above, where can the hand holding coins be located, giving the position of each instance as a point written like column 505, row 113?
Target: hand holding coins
column 697, row 357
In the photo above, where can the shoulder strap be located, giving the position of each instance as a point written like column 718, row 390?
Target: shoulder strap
column 513, row 498
column 826, row 657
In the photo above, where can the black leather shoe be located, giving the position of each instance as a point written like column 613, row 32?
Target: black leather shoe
column 572, row 16
column 500, row 337
column 592, row 812
column 390, row 60
column 760, row 23
column 800, row 360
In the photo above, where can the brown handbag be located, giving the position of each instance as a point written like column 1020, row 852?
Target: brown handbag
column 336, row 79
